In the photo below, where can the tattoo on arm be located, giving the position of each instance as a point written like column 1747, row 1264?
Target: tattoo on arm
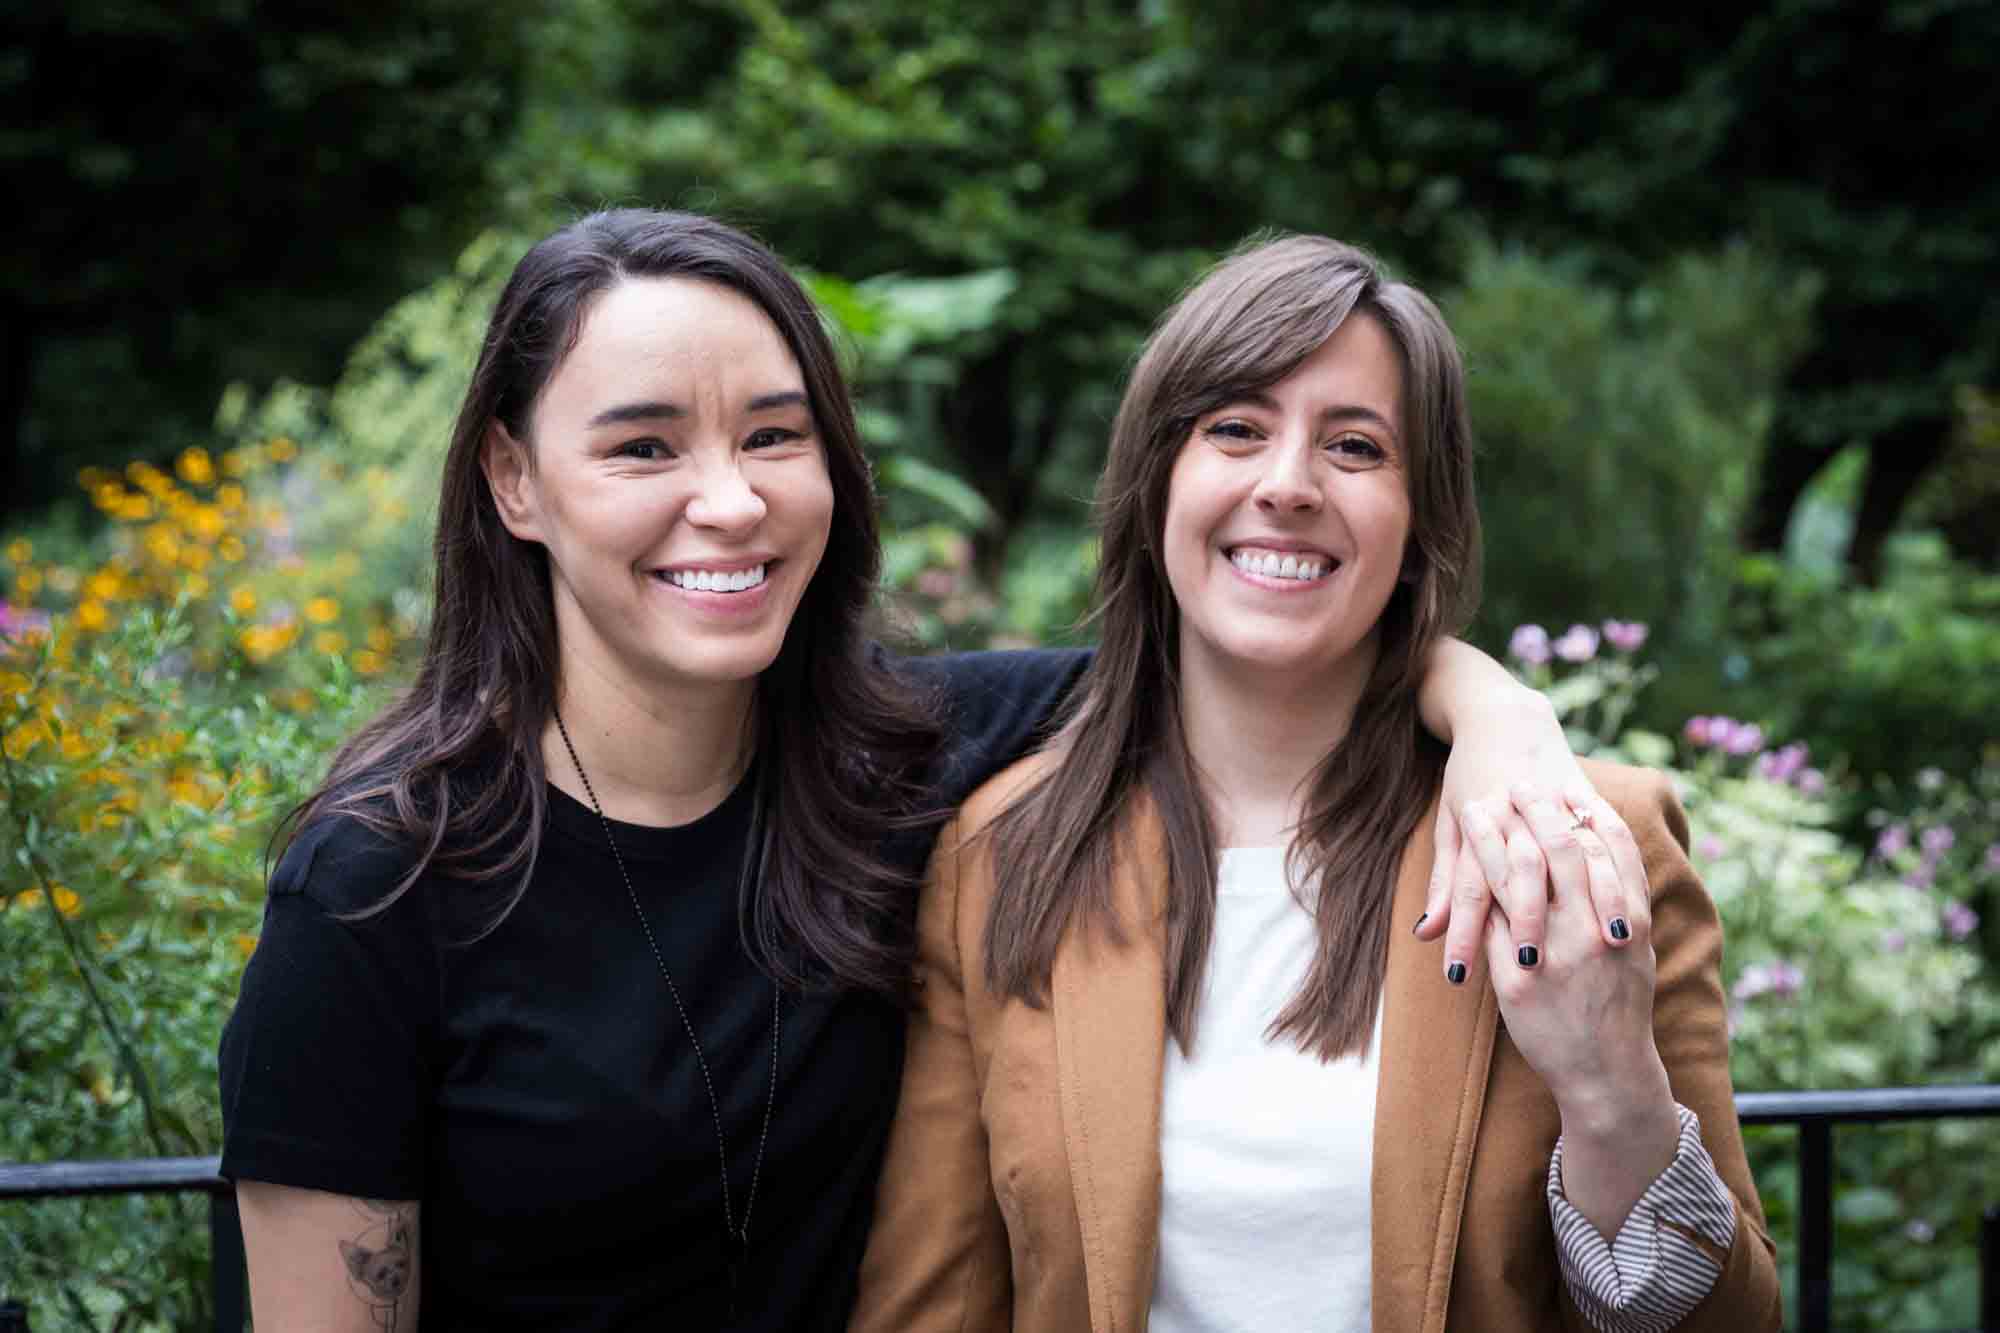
column 381, row 1258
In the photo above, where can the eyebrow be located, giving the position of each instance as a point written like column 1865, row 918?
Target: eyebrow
column 1337, row 412
column 658, row 411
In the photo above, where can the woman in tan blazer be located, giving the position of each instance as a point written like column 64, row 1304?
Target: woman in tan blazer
column 1178, row 1059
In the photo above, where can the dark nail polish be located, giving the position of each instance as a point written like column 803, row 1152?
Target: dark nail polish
column 1528, row 954
column 1420, row 923
column 1619, row 930
column 1455, row 974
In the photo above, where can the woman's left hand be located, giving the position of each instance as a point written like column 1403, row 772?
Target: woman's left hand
column 1503, row 761
column 1581, row 1015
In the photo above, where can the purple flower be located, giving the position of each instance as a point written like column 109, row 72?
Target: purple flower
column 1779, row 978
column 1937, row 840
column 1782, row 765
column 1627, row 636
column 1696, row 729
column 1745, row 738
column 1579, row 644
column 1921, row 877
column 1894, row 941
column 1710, row 848
column 1892, row 841
column 1530, row 644
column 17, row 620
column 1958, row 920
column 1812, row 782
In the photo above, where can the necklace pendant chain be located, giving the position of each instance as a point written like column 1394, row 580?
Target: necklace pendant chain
column 739, row 1237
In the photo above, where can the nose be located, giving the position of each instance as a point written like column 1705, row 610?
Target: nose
column 725, row 502
column 1288, row 485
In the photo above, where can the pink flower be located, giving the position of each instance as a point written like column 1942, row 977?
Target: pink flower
column 1696, row 729
column 1627, row 636
column 1937, row 840
column 1579, row 644
column 1746, row 738
column 937, row 584
column 19, row 620
column 1921, row 877
column 1779, row 978
column 1893, row 841
column 1812, row 782
column 1710, row 848
column 1894, row 941
column 1782, row 765
column 1530, row 644
column 1958, row 920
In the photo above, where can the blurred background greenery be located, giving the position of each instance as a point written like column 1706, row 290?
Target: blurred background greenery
column 1724, row 280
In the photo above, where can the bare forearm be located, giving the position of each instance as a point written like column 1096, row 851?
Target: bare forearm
column 1462, row 685
column 329, row 1263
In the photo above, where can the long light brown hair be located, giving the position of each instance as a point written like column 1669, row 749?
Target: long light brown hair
column 452, row 769
column 1242, row 328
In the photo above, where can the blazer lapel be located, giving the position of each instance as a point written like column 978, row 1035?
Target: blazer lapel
column 1437, row 1045
column 1110, row 1010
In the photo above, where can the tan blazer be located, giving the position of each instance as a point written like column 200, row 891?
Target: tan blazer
column 1022, row 1187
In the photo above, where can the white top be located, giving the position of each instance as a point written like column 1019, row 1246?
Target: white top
column 1266, row 1154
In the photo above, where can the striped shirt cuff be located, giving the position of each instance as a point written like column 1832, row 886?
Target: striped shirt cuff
column 1656, row 1270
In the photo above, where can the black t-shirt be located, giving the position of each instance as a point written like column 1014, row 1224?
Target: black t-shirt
column 536, row 1089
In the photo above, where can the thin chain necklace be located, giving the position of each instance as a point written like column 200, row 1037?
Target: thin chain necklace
column 739, row 1237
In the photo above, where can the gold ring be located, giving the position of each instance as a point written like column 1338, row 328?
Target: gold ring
column 1579, row 819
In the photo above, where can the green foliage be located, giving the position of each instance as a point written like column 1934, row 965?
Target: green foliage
column 1893, row 678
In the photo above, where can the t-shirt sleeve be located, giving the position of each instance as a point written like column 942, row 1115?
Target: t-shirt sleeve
column 996, row 707
column 326, row 1063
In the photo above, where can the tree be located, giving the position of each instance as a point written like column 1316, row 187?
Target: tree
column 214, row 190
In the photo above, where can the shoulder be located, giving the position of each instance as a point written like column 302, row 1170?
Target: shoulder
column 343, row 862
column 980, row 682
column 999, row 794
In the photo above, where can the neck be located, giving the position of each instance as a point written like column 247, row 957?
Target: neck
column 1256, row 739
column 661, row 756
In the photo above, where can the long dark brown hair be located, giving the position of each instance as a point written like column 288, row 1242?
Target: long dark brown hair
column 453, row 768
column 1243, row 327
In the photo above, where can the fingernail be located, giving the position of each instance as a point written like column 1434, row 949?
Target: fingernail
column 1619, row 930
column 1528, row 954
column 1420, row 923
column 1455, row 974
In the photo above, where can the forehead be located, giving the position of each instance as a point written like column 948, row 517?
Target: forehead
column 696, row 343
column 1359, row 366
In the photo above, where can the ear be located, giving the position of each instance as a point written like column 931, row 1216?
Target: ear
column 356, row 1256
column 510, row 476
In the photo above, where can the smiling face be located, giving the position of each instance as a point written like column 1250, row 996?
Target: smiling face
column 678, row 483
column 1287, row 517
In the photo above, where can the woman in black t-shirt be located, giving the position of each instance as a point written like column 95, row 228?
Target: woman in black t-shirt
column 576, row 1000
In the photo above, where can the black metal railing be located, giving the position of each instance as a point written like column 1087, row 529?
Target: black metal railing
column 229, row 1280
column 1815, row 1114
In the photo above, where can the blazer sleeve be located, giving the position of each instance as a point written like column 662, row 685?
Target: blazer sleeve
column 937, row 1256
column 1690, row 1026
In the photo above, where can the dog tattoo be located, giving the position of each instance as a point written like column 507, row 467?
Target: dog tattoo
column 382, row 1258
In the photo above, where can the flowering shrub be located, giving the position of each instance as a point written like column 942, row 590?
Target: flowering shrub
column 1846, row 966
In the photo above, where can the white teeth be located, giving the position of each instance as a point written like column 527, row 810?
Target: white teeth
column 1272, row 565
column 705, row 580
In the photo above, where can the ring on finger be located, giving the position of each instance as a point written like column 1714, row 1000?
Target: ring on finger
column 1579, row 819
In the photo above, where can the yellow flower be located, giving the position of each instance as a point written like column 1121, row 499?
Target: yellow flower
column 195, row 467
column 25, row 738
column 74, row 745
column 207, row 522
column 32, row 898
column 281, row 450
column 246, row 944
column 92, row 615
column 67, row 901
column 162, row 544
column 14, row 685
column 107, row 495
column 27, row 583
column 368, row 662
column 195, row 586
column 135, row 509
column 330, row 641
column 380, row 639
column 230, row 496
column 20, row 550
column 322, row 610
column 243, row 599
column 231, row 549
column 195, row 557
